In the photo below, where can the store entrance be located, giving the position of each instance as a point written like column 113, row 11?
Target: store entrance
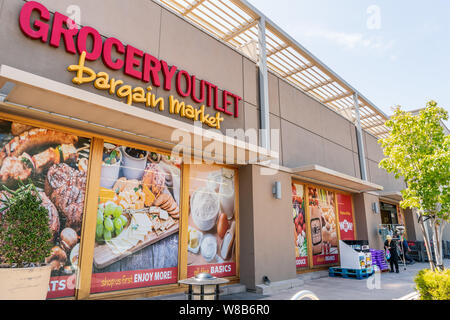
column 388, row 213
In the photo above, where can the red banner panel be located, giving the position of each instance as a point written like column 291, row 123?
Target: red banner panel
column 112, row 281
column 63, row 286
column 218, row 270
column 345, row 212
column 325, row 259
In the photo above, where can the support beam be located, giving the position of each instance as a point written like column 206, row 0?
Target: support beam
column 359, row 139
column 378, row 124
column 240, row 29
column 193, row 7
column 297, row 70
column 263, row 86
column 321, row 84
column 382, row 132
column 369, row 116
column 276, row 50
column 338, row 97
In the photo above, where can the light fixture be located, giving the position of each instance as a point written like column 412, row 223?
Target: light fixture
column 276, row 190
column 375, row 207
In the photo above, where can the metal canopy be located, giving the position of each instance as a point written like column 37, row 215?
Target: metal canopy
column 391, row 195
column 235, row 22
column 326, row 176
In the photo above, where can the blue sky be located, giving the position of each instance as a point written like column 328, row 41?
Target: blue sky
column 395, row 52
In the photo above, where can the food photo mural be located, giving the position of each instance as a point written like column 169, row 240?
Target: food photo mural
column 138, row 219
column 212, row 221
column 322, row 218
column 299, row 217
column 56, row 163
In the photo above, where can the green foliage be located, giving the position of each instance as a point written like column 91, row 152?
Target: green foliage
column 25, row 236
column 418, row 150
column 433, row 285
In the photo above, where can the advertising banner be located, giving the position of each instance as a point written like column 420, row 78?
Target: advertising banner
column 324, row 239
column 56, row 164
column 300, row 233
column 138, row 217
column 112, row 281
column 212, row 221
column 345, row 213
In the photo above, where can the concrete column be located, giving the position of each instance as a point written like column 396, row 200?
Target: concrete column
column 267, row 246
column 263, row 86
column 360, row 139
column 367, row 222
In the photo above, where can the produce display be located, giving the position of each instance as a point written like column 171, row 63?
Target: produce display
column 138, row 202
column 56, row 163
column 212, row 221
column 299, row 217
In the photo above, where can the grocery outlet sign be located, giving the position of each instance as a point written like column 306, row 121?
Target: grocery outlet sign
column 135, row 63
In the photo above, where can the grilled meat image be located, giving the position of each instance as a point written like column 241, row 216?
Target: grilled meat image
column 53, row 217
column 66, row 187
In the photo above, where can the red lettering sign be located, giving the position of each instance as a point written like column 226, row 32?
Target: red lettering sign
column 41, row 28
column 134, row 62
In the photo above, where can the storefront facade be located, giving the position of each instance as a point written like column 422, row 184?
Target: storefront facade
column 92, row 115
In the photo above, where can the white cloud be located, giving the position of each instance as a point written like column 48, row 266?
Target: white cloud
column 352, row 40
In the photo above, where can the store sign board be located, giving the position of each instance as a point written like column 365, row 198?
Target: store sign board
column 151, row 71
column 345, row 212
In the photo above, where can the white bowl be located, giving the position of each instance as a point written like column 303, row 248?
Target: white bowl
column 133, row 168
column 203, row 220
column 208, row 247
column 110, row 172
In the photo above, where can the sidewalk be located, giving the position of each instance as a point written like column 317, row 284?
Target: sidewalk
column 383, row 286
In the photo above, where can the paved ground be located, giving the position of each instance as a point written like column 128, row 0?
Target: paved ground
column 384, row 286
column 381, row 286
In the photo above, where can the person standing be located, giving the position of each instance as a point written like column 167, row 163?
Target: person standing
column 391, row 245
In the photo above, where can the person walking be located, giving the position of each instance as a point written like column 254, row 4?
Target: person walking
column 391, row 245
column 406, row 249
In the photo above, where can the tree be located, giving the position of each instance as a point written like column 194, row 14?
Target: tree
column 418, row 150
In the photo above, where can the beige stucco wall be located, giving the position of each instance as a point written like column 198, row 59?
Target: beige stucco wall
column 267, row 241
column 310, row 132
column 412, row 227
column 374, row 154
column 367, row 222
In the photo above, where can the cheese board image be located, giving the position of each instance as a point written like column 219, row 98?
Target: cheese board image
column 143, row 230
column 138, row 203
